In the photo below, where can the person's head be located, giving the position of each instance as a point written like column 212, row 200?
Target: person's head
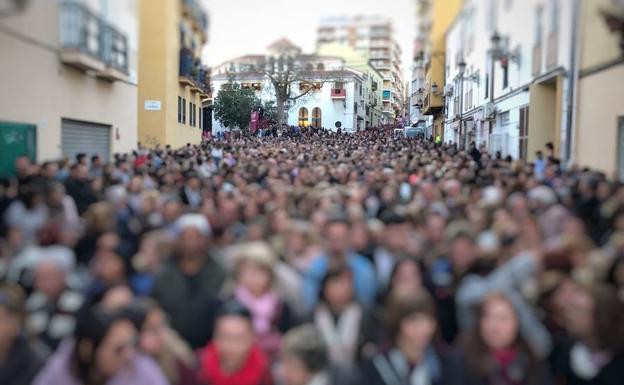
column 596, row 317
column 96, row 160
column 81, row 158
column 337, row 237
column 406, row 278
column 192, row 231
column 49, row 169
column 11, row 315
column 51, row 272
column 152, row 337
column 105, row 342
column 498, row 323
column 337, row 288
column 254, row 270
column 303, row 355
column 539, row 155
column 412, row 321
column 233, row 335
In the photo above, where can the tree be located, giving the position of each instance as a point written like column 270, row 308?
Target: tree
column 232, row 107
column 286, row 71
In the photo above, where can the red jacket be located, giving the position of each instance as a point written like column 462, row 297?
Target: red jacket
column 255, row 371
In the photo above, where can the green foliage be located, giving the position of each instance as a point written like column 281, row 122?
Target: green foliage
column 270, row 110
column 232, row 107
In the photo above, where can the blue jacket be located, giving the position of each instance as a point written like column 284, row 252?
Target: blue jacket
column 364, row 279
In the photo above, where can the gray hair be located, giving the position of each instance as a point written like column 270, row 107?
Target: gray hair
column 306, row 343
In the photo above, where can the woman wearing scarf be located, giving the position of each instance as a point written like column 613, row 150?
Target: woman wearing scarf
column 413, row 358
column 343, row 323
column 254, row 289
column 495, row 350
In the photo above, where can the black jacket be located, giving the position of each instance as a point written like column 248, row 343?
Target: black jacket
column 23, row 364
column 190, row 302
column 381, row 370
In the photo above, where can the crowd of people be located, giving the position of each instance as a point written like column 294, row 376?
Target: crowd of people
column 312, row 259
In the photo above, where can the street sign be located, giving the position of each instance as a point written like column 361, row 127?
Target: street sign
column 152, row 105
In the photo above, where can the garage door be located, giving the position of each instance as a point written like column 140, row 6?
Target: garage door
column 84, row 137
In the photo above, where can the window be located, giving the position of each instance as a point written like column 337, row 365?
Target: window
column 303, row 117
column 179, row 109
column 620, row 148
column 508, row 5
column 316, row 117
column 505, row 76
column 504, row 118
column 201, row 118
column 190, row 114
column 554, row 16
column 523, row 137
column 487, row 86
column 338, row 85
column 386, row 94
column 539, row 25
column 183, row 111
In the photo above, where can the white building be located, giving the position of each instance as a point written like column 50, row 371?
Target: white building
column 338, row 99
column 517, row 57
column 372, row 37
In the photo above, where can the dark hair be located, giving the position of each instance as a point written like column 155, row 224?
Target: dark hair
column 608, row 317
column 233, row 308
column 92, row 325
column 331, row 275
column 399, row 309
column 478, row 358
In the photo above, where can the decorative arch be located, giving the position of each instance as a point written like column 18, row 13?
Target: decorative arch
column 316, row 117
column 303, row 117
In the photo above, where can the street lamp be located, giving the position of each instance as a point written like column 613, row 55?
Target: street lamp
column 461, row 66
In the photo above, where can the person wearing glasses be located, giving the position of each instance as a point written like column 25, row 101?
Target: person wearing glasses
column 102, row 352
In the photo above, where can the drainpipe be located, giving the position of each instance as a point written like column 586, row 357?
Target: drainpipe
column 573, row 78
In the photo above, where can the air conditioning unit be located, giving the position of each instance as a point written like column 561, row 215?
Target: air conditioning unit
column 489, row 110
column 448, row 90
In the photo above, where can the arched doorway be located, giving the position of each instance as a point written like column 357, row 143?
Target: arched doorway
column 316, row 117
column 303, row 117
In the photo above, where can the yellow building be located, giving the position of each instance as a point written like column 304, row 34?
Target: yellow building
column 373, row 89
column 599, row 139
column 173, row 85
column 442, row 13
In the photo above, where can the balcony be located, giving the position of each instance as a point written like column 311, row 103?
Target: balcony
column 88, row 43
column 186, row 67
column 81, row 38
column 115, row 46
column 194, row 10
column 338, row 93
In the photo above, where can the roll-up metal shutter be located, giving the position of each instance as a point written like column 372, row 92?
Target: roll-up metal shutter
column 85, row 137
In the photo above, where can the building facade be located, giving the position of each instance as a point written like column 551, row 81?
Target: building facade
column 373, row 92
column 69, row 78
column 171, row 103
column 372, row 37
column 508, row 76
column 437, row 21
column 598, row 140
column 337, row 99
